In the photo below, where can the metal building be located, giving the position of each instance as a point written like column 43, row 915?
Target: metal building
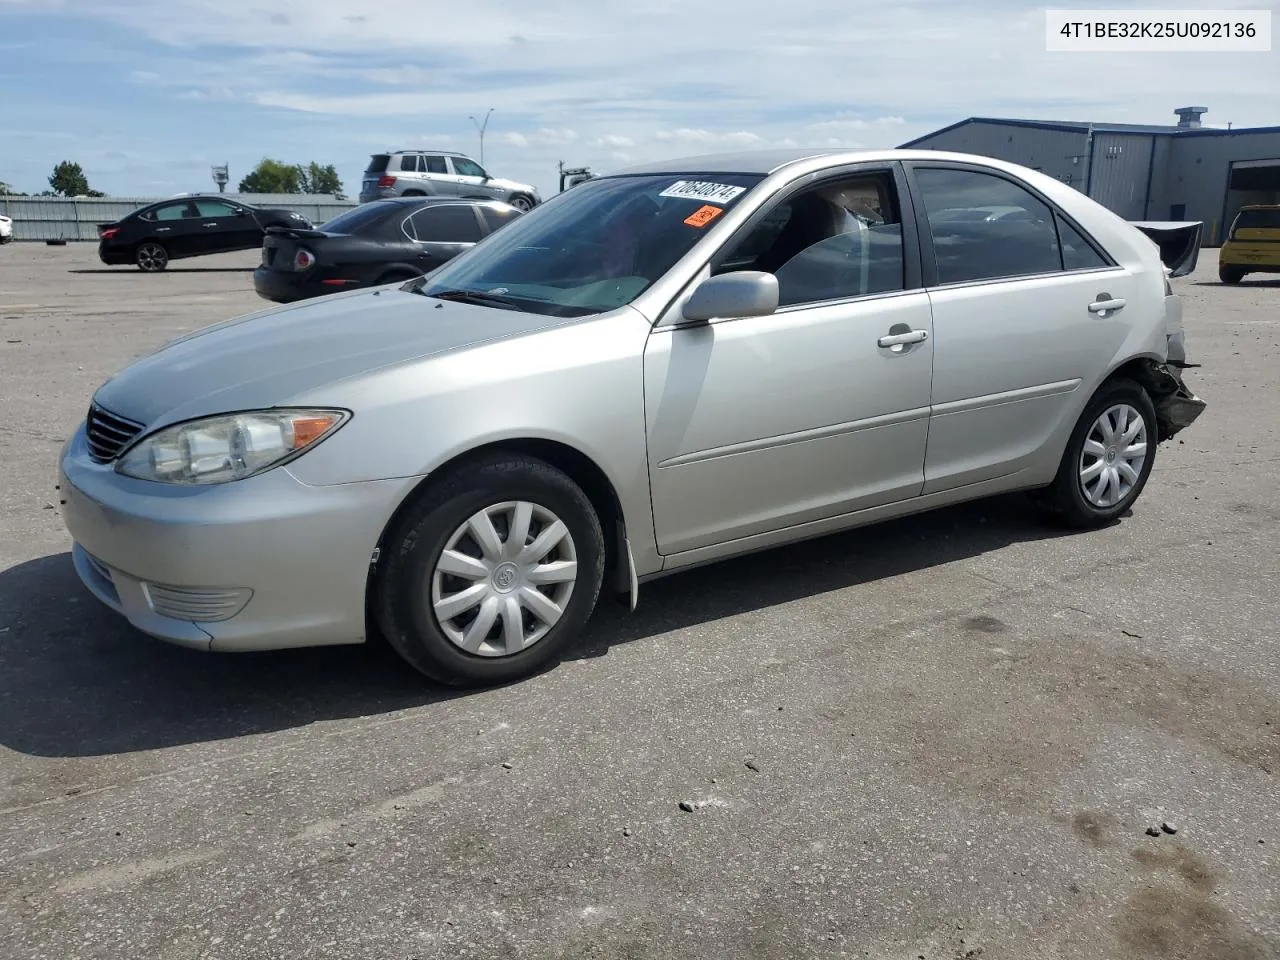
column 1182, row 171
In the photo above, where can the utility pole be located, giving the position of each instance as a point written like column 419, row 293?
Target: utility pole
column 482, row 127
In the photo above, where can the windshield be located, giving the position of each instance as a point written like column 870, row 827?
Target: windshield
column 594, row 248
column 1258, row 219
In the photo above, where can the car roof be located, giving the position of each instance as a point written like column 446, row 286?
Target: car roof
column 765, row 162
column 1261, row 206
column 437, row 153
column 435, row 201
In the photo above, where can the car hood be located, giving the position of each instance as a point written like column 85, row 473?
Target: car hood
column 267, row 358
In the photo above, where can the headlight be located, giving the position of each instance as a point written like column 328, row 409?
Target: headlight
column 231, row 447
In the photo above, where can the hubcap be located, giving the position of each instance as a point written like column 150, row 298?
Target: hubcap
column 151, row 257
column 504, row 578
column 1114, row 451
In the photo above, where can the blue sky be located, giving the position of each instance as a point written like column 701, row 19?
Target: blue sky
column 147, row 94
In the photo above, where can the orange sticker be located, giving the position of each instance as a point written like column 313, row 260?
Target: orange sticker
column 702, row 216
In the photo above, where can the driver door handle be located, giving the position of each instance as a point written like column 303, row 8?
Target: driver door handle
column 895, row 339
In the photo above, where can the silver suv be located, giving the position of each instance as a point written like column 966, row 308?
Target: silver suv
column 437, row 173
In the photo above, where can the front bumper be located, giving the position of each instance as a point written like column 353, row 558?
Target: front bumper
column 259, row 564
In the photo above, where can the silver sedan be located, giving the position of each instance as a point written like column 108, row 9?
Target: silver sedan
column 678, row 363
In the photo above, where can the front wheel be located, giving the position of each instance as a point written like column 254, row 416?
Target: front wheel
column 491, row 573
column 151, row 257
column 522, row 203
column 1108, row 458
column 1230, row 274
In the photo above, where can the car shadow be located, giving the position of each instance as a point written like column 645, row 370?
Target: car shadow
column 131, row 269
column 77, row 681
column 1245, row 283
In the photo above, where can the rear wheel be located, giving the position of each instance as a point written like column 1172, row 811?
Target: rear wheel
column 413, row 193
column 491, row 573
column 151, row 257
column 1108, row 458
column 1230, row 274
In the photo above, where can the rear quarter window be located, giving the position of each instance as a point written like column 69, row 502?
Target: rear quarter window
column 378, row 163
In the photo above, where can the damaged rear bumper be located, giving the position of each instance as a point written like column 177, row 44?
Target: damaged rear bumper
column 1177, row 407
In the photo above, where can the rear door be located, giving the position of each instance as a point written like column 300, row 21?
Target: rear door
column 441, row 231
column 176, row 225
column 1019, row 335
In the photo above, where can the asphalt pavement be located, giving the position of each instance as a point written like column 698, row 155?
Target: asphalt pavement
column 943, row 737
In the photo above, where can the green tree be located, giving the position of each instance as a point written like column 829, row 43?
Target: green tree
column 68, row 180
column 8, row 191
column 276, row 176
column 273, row 176
column 323, row 179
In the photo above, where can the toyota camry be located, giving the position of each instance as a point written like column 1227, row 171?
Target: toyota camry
column 662, row 367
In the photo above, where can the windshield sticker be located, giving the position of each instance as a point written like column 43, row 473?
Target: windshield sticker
column 702, row 216
column 702, row 190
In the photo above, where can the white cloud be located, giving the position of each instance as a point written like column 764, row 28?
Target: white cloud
column 614, row 140
column 623, row 86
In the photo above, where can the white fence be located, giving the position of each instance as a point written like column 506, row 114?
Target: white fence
column 61, row 218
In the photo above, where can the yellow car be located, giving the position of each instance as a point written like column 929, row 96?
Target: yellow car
column 1253, row 245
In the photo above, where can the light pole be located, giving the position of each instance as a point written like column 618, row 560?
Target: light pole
column 481, row 127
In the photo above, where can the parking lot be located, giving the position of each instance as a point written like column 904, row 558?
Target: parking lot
column 941, row 738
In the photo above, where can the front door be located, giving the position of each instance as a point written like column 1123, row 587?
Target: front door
column 225, row 227
column 761, row 423
column 1020, row 324
column 471, row 178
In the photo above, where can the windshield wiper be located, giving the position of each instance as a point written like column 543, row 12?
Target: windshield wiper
column 472, row 296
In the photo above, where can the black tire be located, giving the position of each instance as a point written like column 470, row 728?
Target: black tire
column 150, row 256
column 1065, row 498
column 402, row 587
column 413, row 193
column 1230, row 274
column 522, row 202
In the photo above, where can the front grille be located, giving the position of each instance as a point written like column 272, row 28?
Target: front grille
column 108, row 434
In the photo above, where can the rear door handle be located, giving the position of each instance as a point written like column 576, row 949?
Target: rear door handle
column 896, row 339
column 1105, row 305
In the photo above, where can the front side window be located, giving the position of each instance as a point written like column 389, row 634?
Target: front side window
column 467, row 168
column 835, row 241
column 593, row 248
column 985, row 227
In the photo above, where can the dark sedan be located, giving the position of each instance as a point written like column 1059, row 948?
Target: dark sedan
column 375, row 243
column 183, row 227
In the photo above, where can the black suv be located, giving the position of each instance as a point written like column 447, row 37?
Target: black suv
column 153, row 235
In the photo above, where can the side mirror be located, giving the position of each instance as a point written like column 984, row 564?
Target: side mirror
column 743, row 293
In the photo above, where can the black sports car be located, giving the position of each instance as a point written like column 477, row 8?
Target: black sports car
column 153, row 235
column 378, row 242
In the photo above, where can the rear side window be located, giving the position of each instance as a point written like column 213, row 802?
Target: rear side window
column 1016, row 238
column 172, row 211
column 497, row 217
column 359, row 218
column 428, row 164
column 1077, row 253
column 451, row 223
column 378, row 163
